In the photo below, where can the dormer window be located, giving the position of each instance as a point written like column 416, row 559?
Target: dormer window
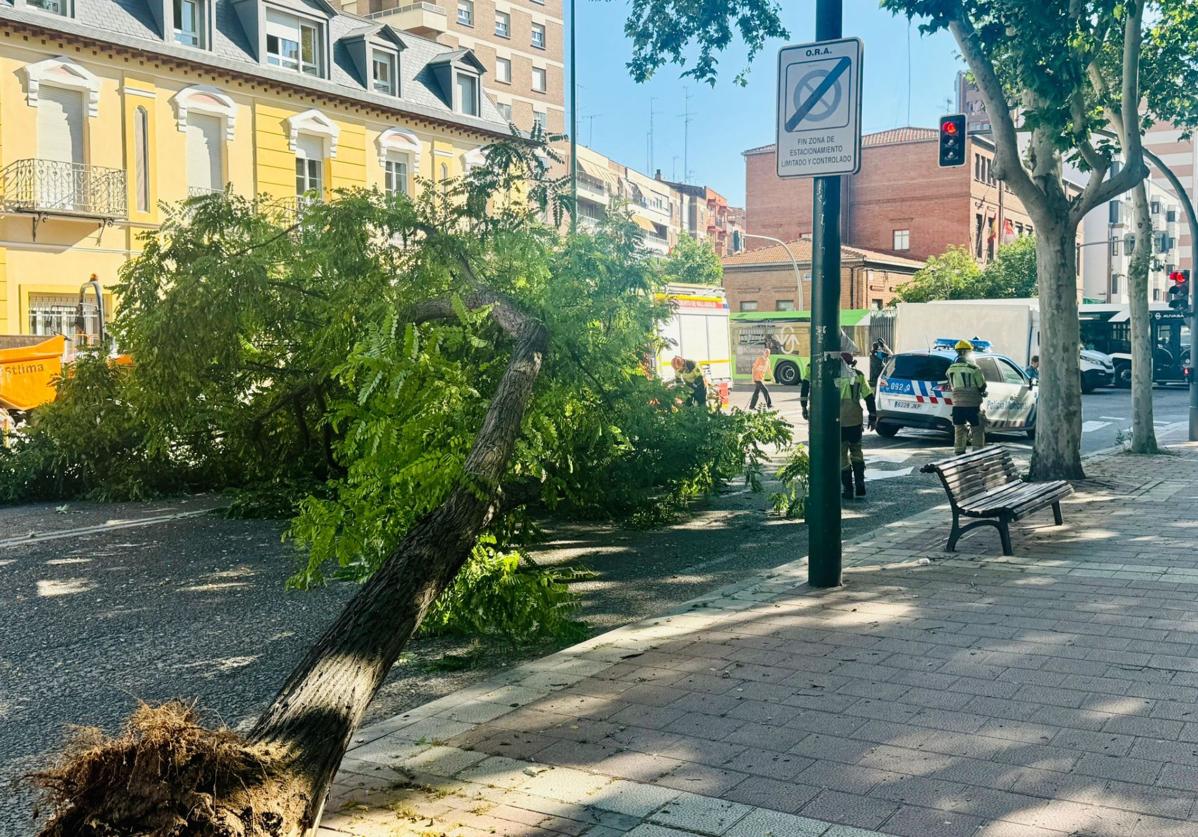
column 383, row 75
column 294, row 43
column 467, row 93
column 56, row 7
column 190, row 23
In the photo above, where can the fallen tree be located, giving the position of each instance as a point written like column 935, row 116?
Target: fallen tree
column 454, row 360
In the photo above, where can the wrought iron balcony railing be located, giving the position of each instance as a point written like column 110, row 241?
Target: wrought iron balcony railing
column 64, row 188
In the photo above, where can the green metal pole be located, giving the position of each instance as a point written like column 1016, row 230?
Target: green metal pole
column 573, row 120
column 823, row 512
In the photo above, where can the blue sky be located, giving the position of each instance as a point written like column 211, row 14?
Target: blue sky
column 728, row 119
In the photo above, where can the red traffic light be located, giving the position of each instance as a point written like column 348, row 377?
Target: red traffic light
column 949, row 128
column 1178, row 276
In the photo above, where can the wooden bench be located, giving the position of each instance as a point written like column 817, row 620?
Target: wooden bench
column 985, row 484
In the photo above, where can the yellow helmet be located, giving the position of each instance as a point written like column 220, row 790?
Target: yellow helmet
column 963, row 346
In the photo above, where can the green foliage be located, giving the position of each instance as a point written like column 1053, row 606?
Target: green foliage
column 791, row 501
column 90, row 442
column 955, row 275
column 495, row 597
column 1012, row 274
column 951, row 275
column 693, row 261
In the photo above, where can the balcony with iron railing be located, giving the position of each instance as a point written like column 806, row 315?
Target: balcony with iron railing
column 64, row 188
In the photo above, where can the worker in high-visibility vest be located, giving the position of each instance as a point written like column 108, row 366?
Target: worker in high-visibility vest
column 969, row 393
column 853, row 389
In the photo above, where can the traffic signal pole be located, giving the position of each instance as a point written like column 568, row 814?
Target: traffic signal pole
column 823, row 508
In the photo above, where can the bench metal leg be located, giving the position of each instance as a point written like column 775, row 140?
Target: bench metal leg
column 958, row 531
column 1004, row 533
column 1056, row 513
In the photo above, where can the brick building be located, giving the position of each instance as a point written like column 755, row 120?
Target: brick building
column 764, row 279
column 519, row 42
column 901, row 202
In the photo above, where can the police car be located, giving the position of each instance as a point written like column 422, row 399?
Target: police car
column 913, row 391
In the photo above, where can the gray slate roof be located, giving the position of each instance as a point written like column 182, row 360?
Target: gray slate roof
column 130, row 23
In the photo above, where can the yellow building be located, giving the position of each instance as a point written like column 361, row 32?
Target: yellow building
column 109, row 108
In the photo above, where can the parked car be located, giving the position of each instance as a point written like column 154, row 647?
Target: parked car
column 913, row 391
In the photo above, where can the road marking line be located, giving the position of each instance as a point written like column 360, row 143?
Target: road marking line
column 111, row 526
column 875, row 474
column 1090, row 426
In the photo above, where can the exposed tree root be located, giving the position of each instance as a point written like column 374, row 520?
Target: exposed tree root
column 165, row 775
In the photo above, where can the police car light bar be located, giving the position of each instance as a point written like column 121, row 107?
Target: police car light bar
column 951, row 343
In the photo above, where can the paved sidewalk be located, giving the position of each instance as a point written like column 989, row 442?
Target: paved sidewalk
column 1052, row 693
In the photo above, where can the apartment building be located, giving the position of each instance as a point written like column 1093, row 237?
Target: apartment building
column 705, row 214
column 1111, row 242
column 519, row 42
column 1180, row 155
column 901, row 202
column 652, row 203
column 109, row 109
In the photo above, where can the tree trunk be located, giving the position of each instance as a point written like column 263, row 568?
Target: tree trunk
column 1057, row 452
column 314, row 716
column 1143, row 434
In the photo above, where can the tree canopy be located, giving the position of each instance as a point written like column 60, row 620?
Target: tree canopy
column 954, row 274
column 693, row 261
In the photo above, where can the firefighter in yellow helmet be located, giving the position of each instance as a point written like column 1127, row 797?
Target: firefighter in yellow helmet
column 853, row 388
column 969, row 392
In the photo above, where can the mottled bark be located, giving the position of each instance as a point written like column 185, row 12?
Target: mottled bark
column 1143, row 434
column 1057, row 451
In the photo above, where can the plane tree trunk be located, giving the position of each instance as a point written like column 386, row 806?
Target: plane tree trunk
column 1143, row 433
column 1057, row 451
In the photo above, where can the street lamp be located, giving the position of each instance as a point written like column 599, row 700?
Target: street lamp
column 799, row 303
column 573, row 120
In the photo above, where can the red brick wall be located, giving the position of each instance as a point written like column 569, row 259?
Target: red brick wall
column 900, row 186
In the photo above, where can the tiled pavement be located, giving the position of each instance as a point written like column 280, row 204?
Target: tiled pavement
column 1054, row 693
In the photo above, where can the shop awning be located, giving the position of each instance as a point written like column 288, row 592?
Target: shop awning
column 597, row 171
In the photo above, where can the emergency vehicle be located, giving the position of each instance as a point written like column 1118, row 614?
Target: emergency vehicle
column 913, row 391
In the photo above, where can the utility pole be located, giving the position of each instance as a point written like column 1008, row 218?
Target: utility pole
column 573, row 119
column 686, row 122
column 823, row 511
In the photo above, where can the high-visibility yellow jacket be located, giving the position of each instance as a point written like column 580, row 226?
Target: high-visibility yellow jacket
column 854, row 388
column 967, row 383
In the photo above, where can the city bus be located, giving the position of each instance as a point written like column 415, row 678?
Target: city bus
column 1107, row 328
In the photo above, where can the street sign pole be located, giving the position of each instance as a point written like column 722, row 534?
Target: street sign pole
column 823, row 510
column 819, row 136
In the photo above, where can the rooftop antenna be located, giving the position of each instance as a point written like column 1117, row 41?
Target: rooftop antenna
column 686, row 118
column 590, row 120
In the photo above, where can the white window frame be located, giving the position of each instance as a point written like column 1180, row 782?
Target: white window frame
column 282, row 17
column 384, row 56
column 902, row 239
column 538, row 28
column 62, row 72
column 67, row 7
column 503, row 20
column 392, row 159
column 500, row 77
column 465, row 13
column 201, row 17
column 457, row 93
column 544, row 76
column 505, row 110
column 316, row 123
column 541, row 117
column 205, row 98
column 400, row 141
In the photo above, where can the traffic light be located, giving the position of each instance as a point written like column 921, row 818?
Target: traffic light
column 1179, row 293
column 952, row 140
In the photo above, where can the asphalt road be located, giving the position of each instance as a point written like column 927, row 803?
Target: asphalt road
column 95, row 616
